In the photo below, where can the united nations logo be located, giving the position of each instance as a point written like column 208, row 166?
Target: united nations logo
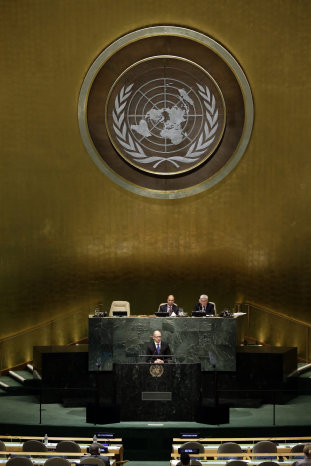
column 165, row 112
column 165, row 115
column 156, row 370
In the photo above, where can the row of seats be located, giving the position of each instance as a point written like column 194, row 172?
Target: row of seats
column 245, row 463
column 264, row 446
column 24, row 461
column 65, row 446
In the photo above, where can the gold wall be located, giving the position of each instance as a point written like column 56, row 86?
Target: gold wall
column 71, row 238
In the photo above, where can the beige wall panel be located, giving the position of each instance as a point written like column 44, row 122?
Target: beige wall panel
column 71, row 238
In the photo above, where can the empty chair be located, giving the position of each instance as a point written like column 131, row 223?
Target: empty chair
column 297, row 449
column 229, row 447
column 123, row 306
column 214, row 307
column 268, row 463
column 193, row 446
column 19, row 461
column 236, row 463
column 34, row 445
column 265, row 446
column 57, row 462
column 68, row 446
column 94, row 460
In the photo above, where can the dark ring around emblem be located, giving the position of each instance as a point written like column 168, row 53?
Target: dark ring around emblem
column 165, row 112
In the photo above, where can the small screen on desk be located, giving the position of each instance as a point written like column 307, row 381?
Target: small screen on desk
column 119, row 313
column 104, row 435
column 188, row 450
column 190, row 435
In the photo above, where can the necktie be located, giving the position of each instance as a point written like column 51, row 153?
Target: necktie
column 158, row 348
column 203, row 308
column 170, row 309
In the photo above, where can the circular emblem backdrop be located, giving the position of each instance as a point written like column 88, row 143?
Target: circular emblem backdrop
column 165, row 112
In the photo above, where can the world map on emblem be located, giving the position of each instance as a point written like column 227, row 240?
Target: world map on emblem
column 165, row 115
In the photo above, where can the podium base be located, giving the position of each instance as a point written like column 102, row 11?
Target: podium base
column 213, row 415
column 102, row 414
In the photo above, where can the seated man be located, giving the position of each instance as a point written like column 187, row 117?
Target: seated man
column 158, row 348
column 94, row 451
column 204, row 306
column 170, row 307
column 184, row 460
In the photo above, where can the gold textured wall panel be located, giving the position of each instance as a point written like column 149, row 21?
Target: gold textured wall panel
column 71, row 238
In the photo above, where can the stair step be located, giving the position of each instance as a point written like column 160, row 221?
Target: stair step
column 22, row 375
column 9, row 381
column 29, row 368
column 16, row 376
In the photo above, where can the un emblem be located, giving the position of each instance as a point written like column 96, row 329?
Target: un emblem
column 165, row 112
column 156, row 370
column 165, row 115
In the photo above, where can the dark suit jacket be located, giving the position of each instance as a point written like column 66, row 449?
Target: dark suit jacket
column 164, row 308
column 210, row 310
column 304, row 462
column 153, row 354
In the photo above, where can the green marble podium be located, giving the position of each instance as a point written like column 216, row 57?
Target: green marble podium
column 210, row 341
column 173, row 394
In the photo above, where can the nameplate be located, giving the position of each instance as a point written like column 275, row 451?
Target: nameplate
column 156, row 396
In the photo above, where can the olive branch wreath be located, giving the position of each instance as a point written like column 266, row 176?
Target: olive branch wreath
column 134, row 149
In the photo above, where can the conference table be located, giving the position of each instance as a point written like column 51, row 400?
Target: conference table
column 224, row 462
column 41, row 457
column 115, row 451
column 211, row 451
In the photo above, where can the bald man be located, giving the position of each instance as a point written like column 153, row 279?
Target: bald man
column 170, row 306
column 158, row 348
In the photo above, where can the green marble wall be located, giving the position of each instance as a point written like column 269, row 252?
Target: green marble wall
column 120, row 340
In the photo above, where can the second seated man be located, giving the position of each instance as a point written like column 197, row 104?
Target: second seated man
column 205, row 306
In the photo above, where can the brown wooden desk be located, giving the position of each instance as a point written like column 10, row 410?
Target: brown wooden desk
column 243, row 439
column 74, row 439
column 39, row 457
column 211, row 453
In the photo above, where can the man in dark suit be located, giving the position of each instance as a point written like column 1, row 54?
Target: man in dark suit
column 158, row 348
column 94, row 451
column 204, row 306
column 170, row 307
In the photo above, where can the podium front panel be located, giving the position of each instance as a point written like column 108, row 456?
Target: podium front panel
column 158, row 392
